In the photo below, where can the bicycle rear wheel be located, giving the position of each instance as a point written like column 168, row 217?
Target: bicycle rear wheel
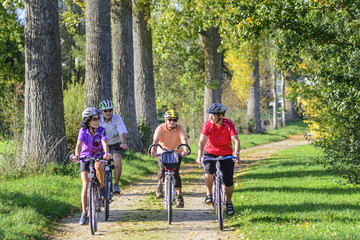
column 108, row 191
column 168, row 192
column 92, row 208
column 220, row 203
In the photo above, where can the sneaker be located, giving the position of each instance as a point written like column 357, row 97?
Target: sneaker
column 208, row 199
column 116, row 189
column 159, row 191
column 83, row 219
column 180, row 202
column 230, row 209
column 103, row 193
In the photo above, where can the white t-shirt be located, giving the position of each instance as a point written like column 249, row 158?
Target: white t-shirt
column 113, row 128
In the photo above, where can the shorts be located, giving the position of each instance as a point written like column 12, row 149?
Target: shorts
column 226, row 166
column 115, row 148
column 84, row 166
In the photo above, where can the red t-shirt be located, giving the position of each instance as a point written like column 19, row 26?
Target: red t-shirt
column 219, row 138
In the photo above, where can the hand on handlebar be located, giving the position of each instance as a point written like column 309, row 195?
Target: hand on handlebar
column 74, row 158
column 107, row 156
column 184, row 153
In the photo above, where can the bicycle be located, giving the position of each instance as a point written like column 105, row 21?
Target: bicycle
column 93, row 192
column 169, row 159
column 218, row 193
column 108, row 184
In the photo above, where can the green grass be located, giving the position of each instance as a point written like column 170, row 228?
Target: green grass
column 292, row 128
column 288, row 197
column 30, row 206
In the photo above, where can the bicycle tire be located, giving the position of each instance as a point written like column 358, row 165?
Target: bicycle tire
column 107, row 201
column 220, row 203
column 169, row 198
column 92, row 208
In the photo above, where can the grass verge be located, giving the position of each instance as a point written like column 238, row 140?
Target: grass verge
column 30, row 206
column 288, row 197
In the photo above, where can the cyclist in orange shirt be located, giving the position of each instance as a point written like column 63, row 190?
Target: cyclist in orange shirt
column 170, row 135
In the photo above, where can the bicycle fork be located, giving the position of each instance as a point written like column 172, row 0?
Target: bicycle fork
column 168, row 176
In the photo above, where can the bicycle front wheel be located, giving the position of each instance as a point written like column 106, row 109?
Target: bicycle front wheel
column 168, row 192
column 92, row 208
column 220, row 202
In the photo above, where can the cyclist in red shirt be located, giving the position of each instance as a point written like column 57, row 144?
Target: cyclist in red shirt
column 215, row 140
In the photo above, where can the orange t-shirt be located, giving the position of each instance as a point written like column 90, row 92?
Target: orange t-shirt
column 169, row 139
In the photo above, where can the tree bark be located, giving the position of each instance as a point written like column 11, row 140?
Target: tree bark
column 123, row 69
column 253, row 107
column 98, row 52
column 291, row 113
column 275, row 108
column 283, row 103
column 143, row 69
column 211, row 41
column 44, row 130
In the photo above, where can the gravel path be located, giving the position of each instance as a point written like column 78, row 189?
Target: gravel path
column 137, row 214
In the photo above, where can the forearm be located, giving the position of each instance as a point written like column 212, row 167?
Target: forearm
column 123, row 138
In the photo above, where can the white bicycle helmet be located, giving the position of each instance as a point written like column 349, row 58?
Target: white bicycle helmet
column 106, row 104
column 89, row 112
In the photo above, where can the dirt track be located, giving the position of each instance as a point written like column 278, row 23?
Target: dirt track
column 137, row 214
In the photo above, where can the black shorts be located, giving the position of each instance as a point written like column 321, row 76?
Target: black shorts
column 84, row 166
column 226, row 166
column 115, row 148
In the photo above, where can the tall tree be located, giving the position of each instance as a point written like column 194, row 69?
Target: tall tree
column 44, row 130
column 123, row 69
column 98, row 52
column 275, row 107
column 143, row 66
column 210, row 39
column 253, row 107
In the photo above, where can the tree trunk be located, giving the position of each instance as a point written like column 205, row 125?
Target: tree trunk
column 253, row 107
column 123, row 69
column 291, row 113
column 275, row 108
column 283, row 103
column 143, row 69
column 98, row 52
column 44, row 130
column 211, row 41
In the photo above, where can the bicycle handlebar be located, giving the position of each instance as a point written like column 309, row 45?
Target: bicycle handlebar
column 88, row 159
column 168, row 150
column 217, row 158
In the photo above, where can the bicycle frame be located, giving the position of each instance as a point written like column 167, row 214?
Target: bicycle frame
column 93, row 193
column 170, row 193
column 218, row 188
column 108, row 186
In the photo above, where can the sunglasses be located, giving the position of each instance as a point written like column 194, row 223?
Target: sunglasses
column 108, row 110
column 95, row 119
column 172, row 119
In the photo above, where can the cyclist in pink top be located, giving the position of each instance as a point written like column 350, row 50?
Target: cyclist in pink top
column 216, row 140
column 170, row 135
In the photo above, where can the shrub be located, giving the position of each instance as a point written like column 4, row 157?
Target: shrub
column 73, row 107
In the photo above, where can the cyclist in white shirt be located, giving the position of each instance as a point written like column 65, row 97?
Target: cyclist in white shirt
column 116, row 134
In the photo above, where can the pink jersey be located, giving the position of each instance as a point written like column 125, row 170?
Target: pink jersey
column 219, row 138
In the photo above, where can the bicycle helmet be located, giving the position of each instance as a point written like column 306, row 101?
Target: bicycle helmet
column 171, row 113
column 89, row 112
column 216, row 108
column 106, row 104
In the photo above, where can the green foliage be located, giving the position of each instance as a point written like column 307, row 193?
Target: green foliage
column 145, row 133
column 320, row 40
column 73, row 107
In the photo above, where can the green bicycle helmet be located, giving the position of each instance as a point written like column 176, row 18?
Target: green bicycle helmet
column 106, row 104
column 171, row 113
